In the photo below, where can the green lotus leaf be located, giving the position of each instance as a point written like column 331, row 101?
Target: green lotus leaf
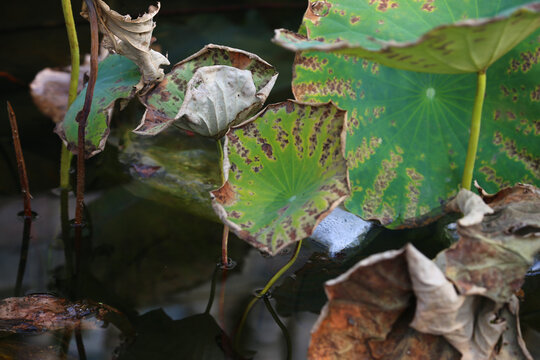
column 408, row 131
column 208, row 92
column 285, row 172
column 447, row 37
column 116, row 78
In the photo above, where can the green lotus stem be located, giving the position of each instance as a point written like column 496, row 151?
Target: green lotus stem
column 66, row 156
column 475, row 130
column 263, row 292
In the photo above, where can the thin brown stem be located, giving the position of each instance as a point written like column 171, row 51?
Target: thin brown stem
column 82, row 117
column 224, row 245
column 23, row 178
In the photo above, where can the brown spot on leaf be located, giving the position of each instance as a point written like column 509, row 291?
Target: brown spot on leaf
column 363, row 152
column 225, row 195
column 531, row 162
column 413, row 191
column 309, row 62
column 384, row 5
column 267, row 148
column 355, row 19
column 239, row 60
column 535, row 94
column 374, row 196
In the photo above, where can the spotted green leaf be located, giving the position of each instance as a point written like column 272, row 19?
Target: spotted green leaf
column 408, row 131
column 116, row 78
column 226, row 97
column 286, row 172
column 447, row 37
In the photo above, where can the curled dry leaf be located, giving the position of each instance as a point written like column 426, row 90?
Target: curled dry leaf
column 208, row 92
column 217, row 96
column 38, row 313
column 371, row 305
column 492, row 257
column 131, row 38
column 50, row 88
column 471, row 205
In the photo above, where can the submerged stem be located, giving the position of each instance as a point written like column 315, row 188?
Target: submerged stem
column 264, row 291
column 65, row 159
column 475, row 130
column 281, row 325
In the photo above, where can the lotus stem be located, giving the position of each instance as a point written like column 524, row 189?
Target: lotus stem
column 25, row 188
column 475, row 130
column 65, row 158
column 225, row 237
column 263, row 292
column 21, row 166
column 81, row 118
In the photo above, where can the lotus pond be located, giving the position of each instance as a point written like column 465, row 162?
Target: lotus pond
column 379, row 130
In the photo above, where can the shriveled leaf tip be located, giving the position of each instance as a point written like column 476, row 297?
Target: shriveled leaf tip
column 471, row 205
column 131, row 38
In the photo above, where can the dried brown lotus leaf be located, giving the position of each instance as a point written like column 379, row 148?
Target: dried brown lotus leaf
column 131, row 38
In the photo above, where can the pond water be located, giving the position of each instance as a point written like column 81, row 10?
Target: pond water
column 152, row 242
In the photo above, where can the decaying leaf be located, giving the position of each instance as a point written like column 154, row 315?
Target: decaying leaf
column 217, row 96
column 471, row 205
column 38, row 313
column 50, row 88
column 131, row 38
column 469, row 323
column 371, row 304
column 285, row 172
column 492, row 257
column 206, row 99
column 366, row 316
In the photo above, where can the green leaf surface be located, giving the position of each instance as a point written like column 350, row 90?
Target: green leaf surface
column 287, row 172
column 447, row 37
column 171, row 96
column 117, row 76
column 408, row 131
